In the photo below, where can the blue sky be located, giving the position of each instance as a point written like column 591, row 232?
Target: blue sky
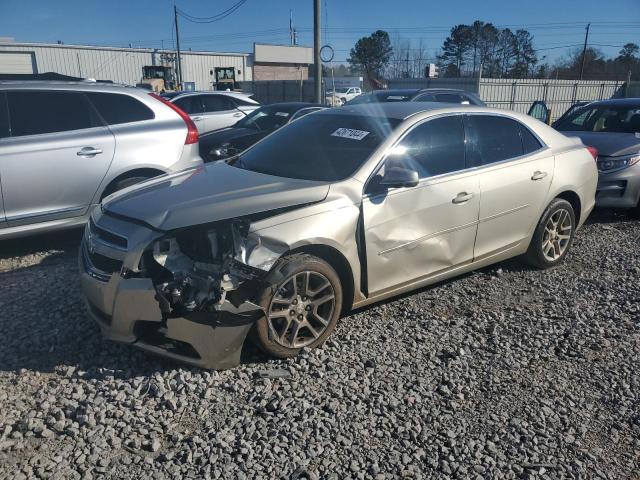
column 554, row 23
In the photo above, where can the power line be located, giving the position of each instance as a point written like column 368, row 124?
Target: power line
column 213, row 18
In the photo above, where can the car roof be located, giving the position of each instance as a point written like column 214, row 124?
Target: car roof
column 294, row 105
column 622, row 102
column 210, row 92
column 397, row 110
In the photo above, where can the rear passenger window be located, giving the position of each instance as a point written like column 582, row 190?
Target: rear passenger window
column 492, row 139
column 117, row 108
column 529, row 142
column 4, row 116
column 190, row 104
column 217, row 103
column 450, row 98
column 38, row 112
column 434, row 147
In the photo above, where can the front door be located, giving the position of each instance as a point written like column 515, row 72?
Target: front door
column 515, row 175
column 56, row 157
column 413, row 233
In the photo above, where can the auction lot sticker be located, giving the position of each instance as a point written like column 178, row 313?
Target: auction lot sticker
column 350, row 133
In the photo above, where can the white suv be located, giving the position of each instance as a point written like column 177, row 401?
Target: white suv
column 214, row 110
column 342, row 95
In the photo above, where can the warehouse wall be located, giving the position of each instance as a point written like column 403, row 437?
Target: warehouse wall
column 124, row 65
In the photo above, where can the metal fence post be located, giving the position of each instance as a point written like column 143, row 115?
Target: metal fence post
column 575, row 93
column 514, row 86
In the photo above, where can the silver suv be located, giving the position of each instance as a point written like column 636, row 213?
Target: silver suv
column 64, row 146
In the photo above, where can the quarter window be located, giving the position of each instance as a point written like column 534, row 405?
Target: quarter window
column 434, row 147
column 529, row 142
column 492, row 139
column 116, row 108
column 38, row 112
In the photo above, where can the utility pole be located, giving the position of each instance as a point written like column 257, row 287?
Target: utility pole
column 175, row 17
column 291, row 39
column 316, row 51
column 584, row 50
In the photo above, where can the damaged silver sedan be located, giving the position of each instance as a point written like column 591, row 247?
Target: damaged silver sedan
column 340, row 209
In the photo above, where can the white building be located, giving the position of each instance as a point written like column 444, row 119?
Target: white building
column 121, row 65
column 124, row 65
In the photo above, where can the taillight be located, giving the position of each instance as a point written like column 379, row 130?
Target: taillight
column 593, row 151
column 192, row 131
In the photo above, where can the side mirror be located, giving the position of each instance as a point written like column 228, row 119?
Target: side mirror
column 396, row 177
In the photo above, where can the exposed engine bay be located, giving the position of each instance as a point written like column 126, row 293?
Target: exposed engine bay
column 211, row 268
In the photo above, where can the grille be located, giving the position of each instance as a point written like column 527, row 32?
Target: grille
column 106, row 236
column 104, row 264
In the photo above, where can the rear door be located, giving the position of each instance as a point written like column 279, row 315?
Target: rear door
column 219, row 111
column 55, row 157
column 416, row 232
column 515, row 172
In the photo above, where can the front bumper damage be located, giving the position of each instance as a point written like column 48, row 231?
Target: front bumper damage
column 188, row 296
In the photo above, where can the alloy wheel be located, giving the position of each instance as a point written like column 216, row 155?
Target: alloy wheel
column 301, row 309
column 557, row 234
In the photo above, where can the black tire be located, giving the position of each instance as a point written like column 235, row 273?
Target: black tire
column 124, row 183
column 536, row 253
column 274, row 335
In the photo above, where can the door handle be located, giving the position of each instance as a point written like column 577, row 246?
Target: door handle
column 538, row 175
column 195, row 119
column 462, row 197
column 89, row 152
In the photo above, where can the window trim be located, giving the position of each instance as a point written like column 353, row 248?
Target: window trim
column 295, row 116
column 82, row 95
column 444, row 176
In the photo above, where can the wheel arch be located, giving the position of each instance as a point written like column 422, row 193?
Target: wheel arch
column 574, row 199
column 339, row 263
column 136, row 172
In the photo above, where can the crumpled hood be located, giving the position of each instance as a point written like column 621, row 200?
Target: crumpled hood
column 609, row 144
column 210, row 193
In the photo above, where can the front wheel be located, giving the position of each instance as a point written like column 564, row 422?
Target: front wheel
column 553, row 236
column 302, row 306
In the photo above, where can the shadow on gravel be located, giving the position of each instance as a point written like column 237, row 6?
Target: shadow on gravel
column 64, row 240
column 609, row 215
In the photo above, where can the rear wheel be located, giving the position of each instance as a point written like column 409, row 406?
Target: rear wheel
column 553, row 236
column 302, row 306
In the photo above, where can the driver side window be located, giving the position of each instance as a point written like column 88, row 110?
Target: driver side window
column 432, row 148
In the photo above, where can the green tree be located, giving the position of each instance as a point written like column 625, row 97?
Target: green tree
column 454, row 51
column 525, row 58
column 371, row 54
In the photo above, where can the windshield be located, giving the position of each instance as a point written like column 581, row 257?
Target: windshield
column 318, row 147
column 603, row 118
column 266, row 118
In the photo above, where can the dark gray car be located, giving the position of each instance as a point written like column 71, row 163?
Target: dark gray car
column 613, row 128
column 440, row 95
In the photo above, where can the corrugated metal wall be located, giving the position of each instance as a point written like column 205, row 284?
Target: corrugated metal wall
column 559, row 95
column 519, row 94
column 124, row 65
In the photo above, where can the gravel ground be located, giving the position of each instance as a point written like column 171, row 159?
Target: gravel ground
column 508, row 372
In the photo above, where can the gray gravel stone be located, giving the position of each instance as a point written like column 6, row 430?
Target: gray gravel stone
column 508, row 372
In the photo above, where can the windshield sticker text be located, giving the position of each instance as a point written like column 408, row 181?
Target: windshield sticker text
column 350, row 133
